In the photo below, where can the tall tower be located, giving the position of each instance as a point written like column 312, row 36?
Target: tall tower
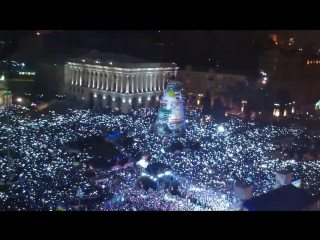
column 170, row 120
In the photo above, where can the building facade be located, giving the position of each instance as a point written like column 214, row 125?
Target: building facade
column 306, row 40
column 116, row 81
column 293, row 70
column 197, row 80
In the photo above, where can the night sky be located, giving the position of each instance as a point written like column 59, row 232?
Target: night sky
column 229, row 49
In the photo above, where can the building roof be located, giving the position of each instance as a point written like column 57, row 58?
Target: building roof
column 285, row 198
column 116, row 57
column 196, row 68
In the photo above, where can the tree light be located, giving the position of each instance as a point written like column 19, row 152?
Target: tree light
column 221, row 129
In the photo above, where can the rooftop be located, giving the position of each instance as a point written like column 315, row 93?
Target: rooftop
column 118, row 60
column 116, row 57
column 285, row 198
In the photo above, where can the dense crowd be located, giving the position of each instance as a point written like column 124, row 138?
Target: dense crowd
column 46, row 177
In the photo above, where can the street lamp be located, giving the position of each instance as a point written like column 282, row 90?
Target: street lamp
column 19, row 99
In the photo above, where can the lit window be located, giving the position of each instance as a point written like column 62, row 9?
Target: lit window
column 308, row 62
column 317, row 62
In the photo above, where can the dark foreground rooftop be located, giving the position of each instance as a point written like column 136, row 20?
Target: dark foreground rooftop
column 285, row 198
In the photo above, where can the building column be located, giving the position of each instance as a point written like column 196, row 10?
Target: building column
column 76, row 76
column 127, row 84
column 132, row 79
column 117, row 83
column 112, row 82
column 141, row 83
column 102, row 80
column 163, row 80
column 154, row 78
column 137, row 83
column 93, row 79
column 89, row 78
column 80, row 77
column 122, row 83
column 149, row 79
column 98, row 80
column 72, row 75
column 107, row 81
column 158, row 82
column 84, row 78
column 146, row 82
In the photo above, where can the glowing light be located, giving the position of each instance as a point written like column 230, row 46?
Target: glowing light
column 221, row 129
column 143, row 163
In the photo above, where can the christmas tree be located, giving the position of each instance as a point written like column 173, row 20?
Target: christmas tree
column 170, row 120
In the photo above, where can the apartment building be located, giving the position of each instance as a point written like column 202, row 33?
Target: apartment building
column 196, row 80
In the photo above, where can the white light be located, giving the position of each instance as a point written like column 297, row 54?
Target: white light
column 22, row 64
column 221, row 129
column 19, row 99
column 167, row 173
column 143, row 163
column 160, row 175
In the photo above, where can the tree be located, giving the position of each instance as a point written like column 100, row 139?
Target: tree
column 237, row 93
column 206, row 102
column 218, row 110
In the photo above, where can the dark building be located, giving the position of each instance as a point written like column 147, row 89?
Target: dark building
column 285, row 198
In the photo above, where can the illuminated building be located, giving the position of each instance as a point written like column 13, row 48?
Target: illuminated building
column 118, row 81
column 5, row 95
column 296, row 39
column 170, row 118
column 294, row 71
column 197, row 80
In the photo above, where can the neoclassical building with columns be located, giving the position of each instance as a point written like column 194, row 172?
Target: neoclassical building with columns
column 117, row 81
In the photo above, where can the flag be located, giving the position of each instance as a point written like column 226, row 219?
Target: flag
column 62, row 207
column 79, row 193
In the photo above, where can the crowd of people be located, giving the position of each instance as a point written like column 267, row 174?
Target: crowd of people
column 43, row 176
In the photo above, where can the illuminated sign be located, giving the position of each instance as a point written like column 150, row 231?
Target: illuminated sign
column 27, row 73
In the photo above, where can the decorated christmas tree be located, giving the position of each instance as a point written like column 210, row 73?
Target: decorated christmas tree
column 170, row 120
